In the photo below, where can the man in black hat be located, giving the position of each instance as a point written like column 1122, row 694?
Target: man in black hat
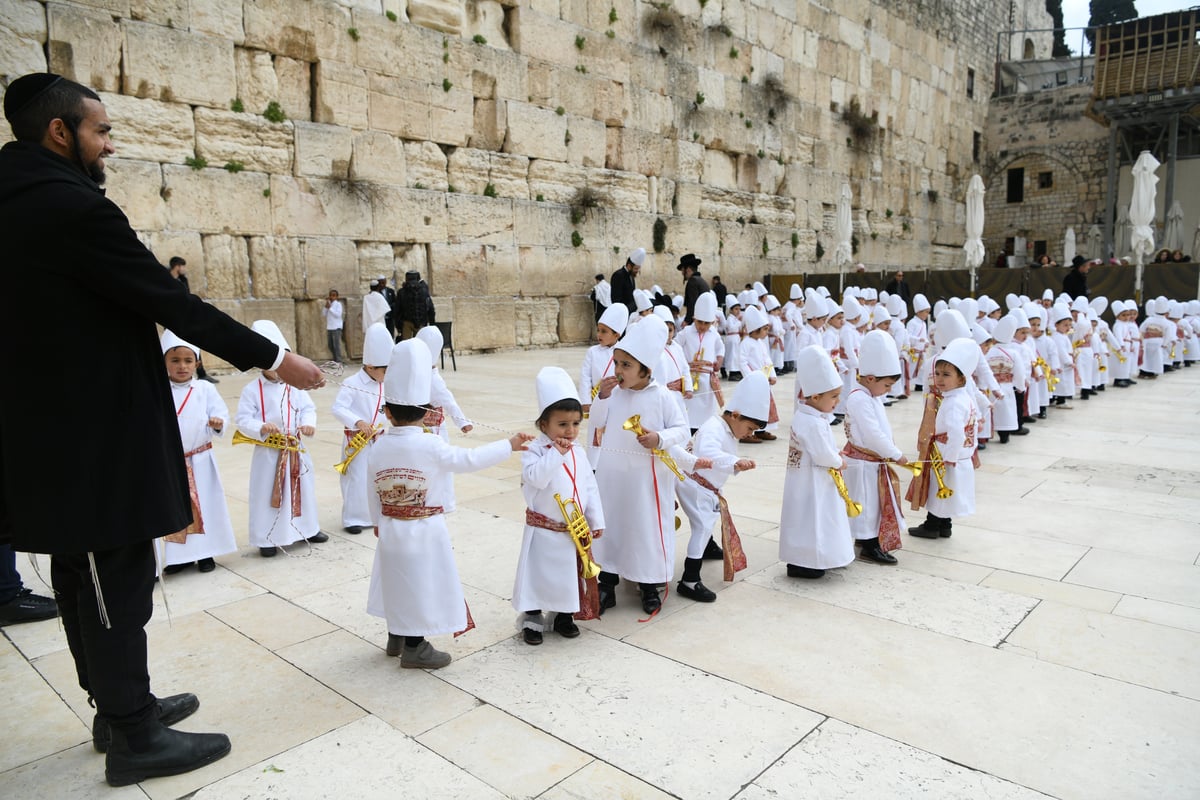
column 125, row 478
column 414, row 305
column 1075, row 282
column 693, row 285
column 624, row 280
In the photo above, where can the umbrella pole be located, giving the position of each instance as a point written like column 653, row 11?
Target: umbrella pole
column 1137, row 278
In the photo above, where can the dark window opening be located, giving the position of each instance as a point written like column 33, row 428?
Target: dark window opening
column 1045, row 180
column 1016, row 184
column 1039, row 249
column 970, row 83
column 976, row 146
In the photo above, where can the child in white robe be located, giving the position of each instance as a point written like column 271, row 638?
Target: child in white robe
column 443, row 405
column 414, row 580
column 869, row 448
column 814, row 532
column 918, row 340
column 715, row 445
column 1064, row 372
column 554, row 469
column 283, row 498
column 637, row 488
column 954, row 439
column 597, row 361
column 849, row 342
column 359, row 407
column 733, row 337
column 704, row 353
column 756, row 358
column 202, row 414
column 775, row 315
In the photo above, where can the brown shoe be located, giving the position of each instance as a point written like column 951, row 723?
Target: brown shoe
column 766, row 436
column 751, row 439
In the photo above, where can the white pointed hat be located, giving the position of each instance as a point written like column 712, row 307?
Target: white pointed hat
column 409, row 375
column 895, row 305
column 920, row 303
column 1080, row 305
column 641, row 299
column 1059, row 312
column 267, row 328
column 706, row 308
column 1048, row 294
column 638, row 257
column 732, row 300
column 1003, row 332
column 963, row 353
column 1098, row 304
column 664, row 313
column 950, row 326
column 884, row 296
column 880, row 315
column 772, row 302
column 1019, row 317
column 979, row 333
column 794, row 293
column 752, row 397
column 554, row 384
column 823, row 291
column 645, row 341
column 938, row 308
column 615, row 317
column 1011, row 301
column 877, row 356
column 759, row 289
column 815, row 372
column 377, row 346
column 851, row 308
column 677, row 301
column 432, row 337
column 969, row 308
column 815, row 307
column 170, row 340
column 754, row 318
column 1118, row 307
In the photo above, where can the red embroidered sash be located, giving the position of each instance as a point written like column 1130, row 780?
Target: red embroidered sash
column 288, row 465
column 918, row 488
column 410, row 512
column 589, row 591
column 434, row 418
column 197, row 525
column 887, row 487
column 731, row 542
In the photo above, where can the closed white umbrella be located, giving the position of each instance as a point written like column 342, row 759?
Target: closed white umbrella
column 1121, row 233
column 844, row 229
column 1095, row 242
column 1173, row 235
column 1068, row 247
column 1141, row 208
column 973, row 247
column 1196, row 243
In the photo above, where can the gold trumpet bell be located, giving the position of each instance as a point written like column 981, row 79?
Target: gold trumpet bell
column 853, row 509
column 915, row 469
column 241, row 438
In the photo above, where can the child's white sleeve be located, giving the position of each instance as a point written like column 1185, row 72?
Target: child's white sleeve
column 249, row 415
column 819, row 447
column 306, row 409
column 343, row 406
column 440, row 395
column 215, row 407
column 675, row 425
column 538, row 465
column 867, row 431
column 469, row 459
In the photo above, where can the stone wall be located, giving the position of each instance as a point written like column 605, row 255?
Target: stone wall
column 455, row 137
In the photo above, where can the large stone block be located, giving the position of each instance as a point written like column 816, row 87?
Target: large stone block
column 378, row 158
column 298, row 29
column 165, row 244
column 541, row 36
column 536, row 322
column 408, row 215
column 554, row 181
column 225, row 137
column 451, row 115
column 588, row 142
column 216, row 201
column 503, row 271
column 490, row 125
column 150, row 130
column 22, row 37
column 257, row 81
column 541, row 224
column 687, row 199
column 575, row 320
column 324, row 151
column 85, row 46
column 400, row 106
column 342, row 95
column 439, row 15
column 458, row 270
column 277, row 266
column 720, row 169
column 295, row 87
column 330, row 263
column 136, row 186
column 480, row 220
column 375, row 260
column 468, row 170
column 509, row 175
column 219, row 18
column 724, row 205
column 426, row 166
column 623, row 190
column 535, row 132
column 319, row 207
column 171, row 13
column 311, row 340
column 482, row 323
column 178, row 66
column 486, row 18
column 226, row 266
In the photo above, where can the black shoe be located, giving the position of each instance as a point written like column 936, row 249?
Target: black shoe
column 171, row 709
column 921, row 532
column 531, row 636
column 168, row 752
column 565, row 627
column 206, row 565
column 174, row 569
column 268, row 552
column 887, row 403
column 700, row 593
column 395, row 645
column 1022, row 431
column 713, row 551
column 918, row 387
column 1041, row 414
column 608, row 597
column 945, row 533
column 27, row 607
column 871, row 551
column 320, row 536
column 1003, row 436
column 355, row 529
column 836, row 421
column 1028, row 420
column 651, row 602
column 209, row 378
column 796, row 571
column 1101, row 387
column 981, row 446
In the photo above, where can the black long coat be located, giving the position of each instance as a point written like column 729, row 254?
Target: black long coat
column 623, row 284
column 90, row 455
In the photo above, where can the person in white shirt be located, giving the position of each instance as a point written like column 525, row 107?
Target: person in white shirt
column 334, row 313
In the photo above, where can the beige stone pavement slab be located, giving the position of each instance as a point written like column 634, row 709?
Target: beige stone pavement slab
column 935, row 565
column 974, row 544
column 308, row 568
column 1169, row 614
column 974, row 613
column 599, row 779
column 1045, row 589
column 504, row 752
column 641, row 716
column 1140, row 576
column 190, row 591
column 32, row 708
column 36, row 639
column 272, row 621
column 986, row 709
column 1137, row 652
column 365, row 759
column 76, row 773
column 839, row 762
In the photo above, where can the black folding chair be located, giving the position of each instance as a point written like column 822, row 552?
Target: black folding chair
column 447, row 343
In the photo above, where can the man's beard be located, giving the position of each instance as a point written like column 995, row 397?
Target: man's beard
column 94, row 170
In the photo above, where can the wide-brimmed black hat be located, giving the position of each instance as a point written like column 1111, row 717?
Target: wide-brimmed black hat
column 688, row 260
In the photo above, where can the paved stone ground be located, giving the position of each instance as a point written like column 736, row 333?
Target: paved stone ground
column 1050, row 648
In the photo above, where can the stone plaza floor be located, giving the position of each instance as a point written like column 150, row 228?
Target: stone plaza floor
column 1050, row 648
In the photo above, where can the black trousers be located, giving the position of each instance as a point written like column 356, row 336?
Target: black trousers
column 109, row 662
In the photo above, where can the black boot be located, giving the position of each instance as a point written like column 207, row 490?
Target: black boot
column 1003, row 437
column 929, row 529
column 871, row 551
column 171, row 709
column 160, row 751
column 713, row 551
column 797, row 571
column 607, row 584
column 651, row 602
column 691, row 575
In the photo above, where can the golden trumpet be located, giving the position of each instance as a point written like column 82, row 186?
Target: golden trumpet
column 944, row 492
column 634, row 426
column 581, row 535
column 358, row 442
column 1117, row 353
column 696, row 375
column 915, row 469
column 853, row 509
column 278, row 441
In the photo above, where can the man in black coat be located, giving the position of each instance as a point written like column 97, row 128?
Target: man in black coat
column 693, row 285
column 413, row 308
column 95, row 495
column 624, row 280
column 1075, row 282
column 897, row 285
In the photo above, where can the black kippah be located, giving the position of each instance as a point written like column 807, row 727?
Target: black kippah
column 25, row 89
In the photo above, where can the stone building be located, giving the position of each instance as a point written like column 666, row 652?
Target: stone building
column 511, row 150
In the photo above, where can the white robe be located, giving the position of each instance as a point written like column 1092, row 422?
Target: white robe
column 360, row 398
column 195, row 403
column 547, row 574
column 918, row 342
column 597, row 364
column 849, row 342
column 956, row 418
column 807, row 335
column 636, row 488
column 703, row 403
column 1154, row 344
column 867, row 427
column 414, row 580
column 713, row 440
column 1066, row 365
column 756, row 358
column 814, row 530
column 375, row 309
column 263, row 401
column 733, row 343
column 1001, row 359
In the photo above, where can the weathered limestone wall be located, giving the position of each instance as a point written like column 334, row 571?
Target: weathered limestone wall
column 454, row 138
